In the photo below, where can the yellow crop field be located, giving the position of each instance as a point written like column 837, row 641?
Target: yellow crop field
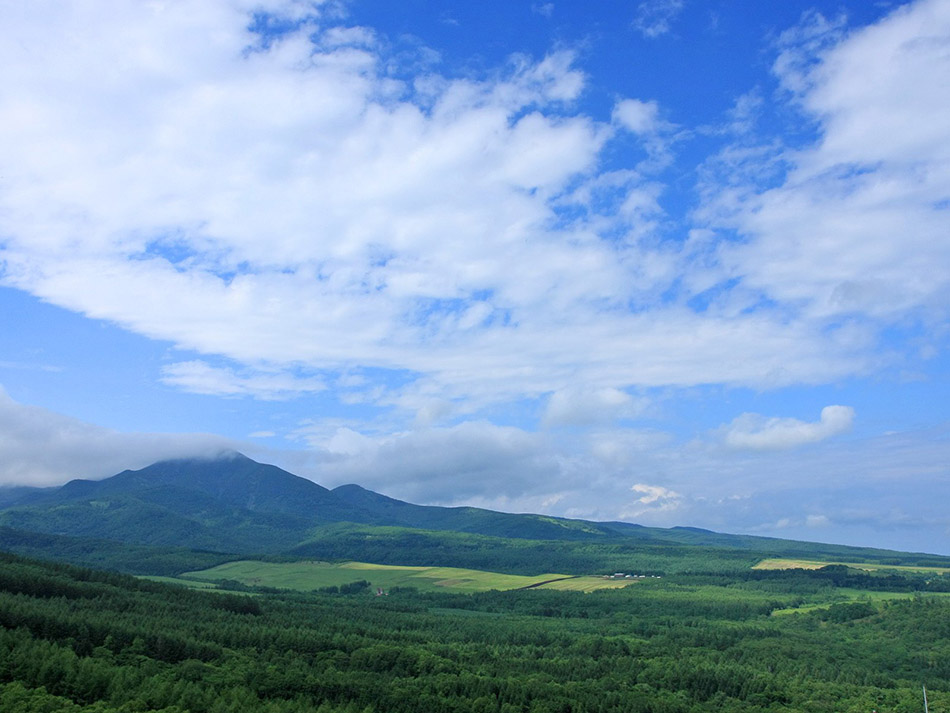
column 586, row 584
column 310, row 575
column 813, row 564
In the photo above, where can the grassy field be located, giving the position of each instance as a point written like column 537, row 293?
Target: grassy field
column 813, row 564
column 586, row 584
column 305, row 576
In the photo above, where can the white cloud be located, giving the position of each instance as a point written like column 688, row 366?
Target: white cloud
column 40, row 448
column 578, row 406
column 885, row 491
column 655, row 17
column 199, row 377
column 298, row 211
column 757, row 432
column 546, row 9
column 653, row 493
column 618, row 449
column 856, row 229
column 637, row 116
column 295, row 212
column 654, row 501
column 445, row 465
column 262, row 434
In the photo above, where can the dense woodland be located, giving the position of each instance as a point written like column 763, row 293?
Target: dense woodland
column 410, row 546
column 81, row 640
column 713, row 634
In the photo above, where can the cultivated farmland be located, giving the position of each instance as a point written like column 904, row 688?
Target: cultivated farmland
column 311, row 575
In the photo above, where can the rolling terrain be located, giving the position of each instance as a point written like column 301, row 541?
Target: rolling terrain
column 484, row 611
column 309, row 576
column 186, row 515
column 86, row 641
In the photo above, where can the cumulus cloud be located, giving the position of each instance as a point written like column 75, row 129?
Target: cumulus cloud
column 453, row 465
column 757, row 432
column 637, row 116
column 654, row 501
column 290, row 206
column 653, row 493
column 298, row 213
column 507, row 468
column 41, row 448
column 855, row 228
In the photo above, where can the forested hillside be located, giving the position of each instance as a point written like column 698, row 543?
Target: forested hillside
column 700, row 630
column 180, row 515
column 77, row 640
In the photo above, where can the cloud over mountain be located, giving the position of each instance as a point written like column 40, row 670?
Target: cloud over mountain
column 479, row 267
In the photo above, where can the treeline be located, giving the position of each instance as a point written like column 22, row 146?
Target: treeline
column 392, row 545
column 109, row 554
column 812, row 581
column 405, row 546
column 83, row 641
column 700, row 554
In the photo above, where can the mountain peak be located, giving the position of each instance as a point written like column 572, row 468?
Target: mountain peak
column 225, row 454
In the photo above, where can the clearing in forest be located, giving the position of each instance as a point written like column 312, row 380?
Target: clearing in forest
column 310, row 575
column 869, row 567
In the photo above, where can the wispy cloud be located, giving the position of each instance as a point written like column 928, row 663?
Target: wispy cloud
column 824, row 240
column 543, row 8
column 199, row 377
column 655, row 17
column 29, row 366
column 460, row 231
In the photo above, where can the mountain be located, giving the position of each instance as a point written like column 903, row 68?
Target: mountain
column 230, row 504
column 390, row 511
column 233, row 506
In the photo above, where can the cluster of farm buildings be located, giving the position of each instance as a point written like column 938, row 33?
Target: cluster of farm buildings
column 624, row 575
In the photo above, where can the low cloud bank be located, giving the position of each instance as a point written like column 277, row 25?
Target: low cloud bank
column 39, row 447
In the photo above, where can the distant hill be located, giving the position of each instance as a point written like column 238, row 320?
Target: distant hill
column 232, row 505
column 389, row 511
column 235, row 504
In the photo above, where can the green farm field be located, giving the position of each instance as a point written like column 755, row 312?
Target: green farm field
column 310, row 575
column 868, row 567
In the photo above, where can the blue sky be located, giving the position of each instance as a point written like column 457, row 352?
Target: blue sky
column 670, row 262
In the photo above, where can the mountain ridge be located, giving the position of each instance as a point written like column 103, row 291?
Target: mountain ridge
column 233, row 504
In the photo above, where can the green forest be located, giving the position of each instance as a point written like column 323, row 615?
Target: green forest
column 234, row 586
column 82, row 640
